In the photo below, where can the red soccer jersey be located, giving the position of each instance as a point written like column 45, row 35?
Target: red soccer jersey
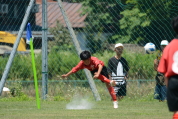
column 94, row 62
column 169, row 61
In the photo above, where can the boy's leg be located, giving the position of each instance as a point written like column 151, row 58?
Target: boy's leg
column 106, row 80
column 164, row 90
column 113, row 95
column 109, row 87
column 109, row 84
column 104, row 77
column 157, row 92
column 111, row 92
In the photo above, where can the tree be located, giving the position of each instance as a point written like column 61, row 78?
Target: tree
column 151, row 23
column 62, row 38
column 102, row 17
column 128, row 21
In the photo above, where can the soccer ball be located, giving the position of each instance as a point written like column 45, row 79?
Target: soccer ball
column 150, row 48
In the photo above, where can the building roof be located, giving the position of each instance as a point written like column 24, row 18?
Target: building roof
column 54, row 14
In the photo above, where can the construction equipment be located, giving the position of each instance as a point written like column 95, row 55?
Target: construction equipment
column 8, row 39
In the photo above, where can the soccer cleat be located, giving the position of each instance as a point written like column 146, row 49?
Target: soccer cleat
column 115, row 104
column 113, row 83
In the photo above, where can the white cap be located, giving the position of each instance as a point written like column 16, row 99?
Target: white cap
column 118, row 44
column 164, row 42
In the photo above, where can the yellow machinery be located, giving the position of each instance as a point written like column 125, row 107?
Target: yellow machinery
column 8, row 38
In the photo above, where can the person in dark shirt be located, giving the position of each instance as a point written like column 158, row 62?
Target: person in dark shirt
column 118, row 71
column 160, row 88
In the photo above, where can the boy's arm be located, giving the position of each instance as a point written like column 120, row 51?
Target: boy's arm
column 100, row 67
column 74, row 69
column 66, row 75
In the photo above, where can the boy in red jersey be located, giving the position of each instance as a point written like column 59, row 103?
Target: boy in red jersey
column 169, row 67
column 97, row 68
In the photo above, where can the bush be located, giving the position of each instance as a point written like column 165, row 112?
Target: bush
column 61, row 62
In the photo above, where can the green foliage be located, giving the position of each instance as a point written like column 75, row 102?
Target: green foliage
column 16, row 89
column 128, row 21
column 18, row 98
column 101, row 18
column 62, row 38
column 2, row 64
column 59, row 98
column 146, row 21
column 22, row 67
column 16, row 93
column 54, row 65
column 141, row 65
column 132, row 29
column 65, row 90
column 94, row 42
column 61, row 62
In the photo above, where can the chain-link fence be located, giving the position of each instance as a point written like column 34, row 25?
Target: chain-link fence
column 98, row 25
column 60, row 90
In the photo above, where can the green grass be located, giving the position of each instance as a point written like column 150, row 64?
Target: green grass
column 102, row 110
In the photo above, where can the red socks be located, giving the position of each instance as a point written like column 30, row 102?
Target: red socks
column 112, row 93
column 110, row 88
column 175, row 116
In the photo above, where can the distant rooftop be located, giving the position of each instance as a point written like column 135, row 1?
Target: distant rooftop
column 72, row 10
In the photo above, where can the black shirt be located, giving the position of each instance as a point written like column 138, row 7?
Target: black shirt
column 117, row 67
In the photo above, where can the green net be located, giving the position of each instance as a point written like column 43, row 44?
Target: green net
column 98, row 26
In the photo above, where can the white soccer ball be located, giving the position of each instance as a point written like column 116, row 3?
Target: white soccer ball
column 150, row 48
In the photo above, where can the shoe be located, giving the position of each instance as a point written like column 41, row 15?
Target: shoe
column 115, row 104
column 113, row 83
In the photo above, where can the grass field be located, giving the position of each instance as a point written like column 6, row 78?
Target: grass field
column 101, row 110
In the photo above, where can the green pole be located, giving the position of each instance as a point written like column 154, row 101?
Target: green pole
column 34, row 72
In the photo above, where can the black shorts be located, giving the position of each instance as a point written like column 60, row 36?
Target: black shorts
column 104, row 72
column 120, row 90
column 172, row 93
